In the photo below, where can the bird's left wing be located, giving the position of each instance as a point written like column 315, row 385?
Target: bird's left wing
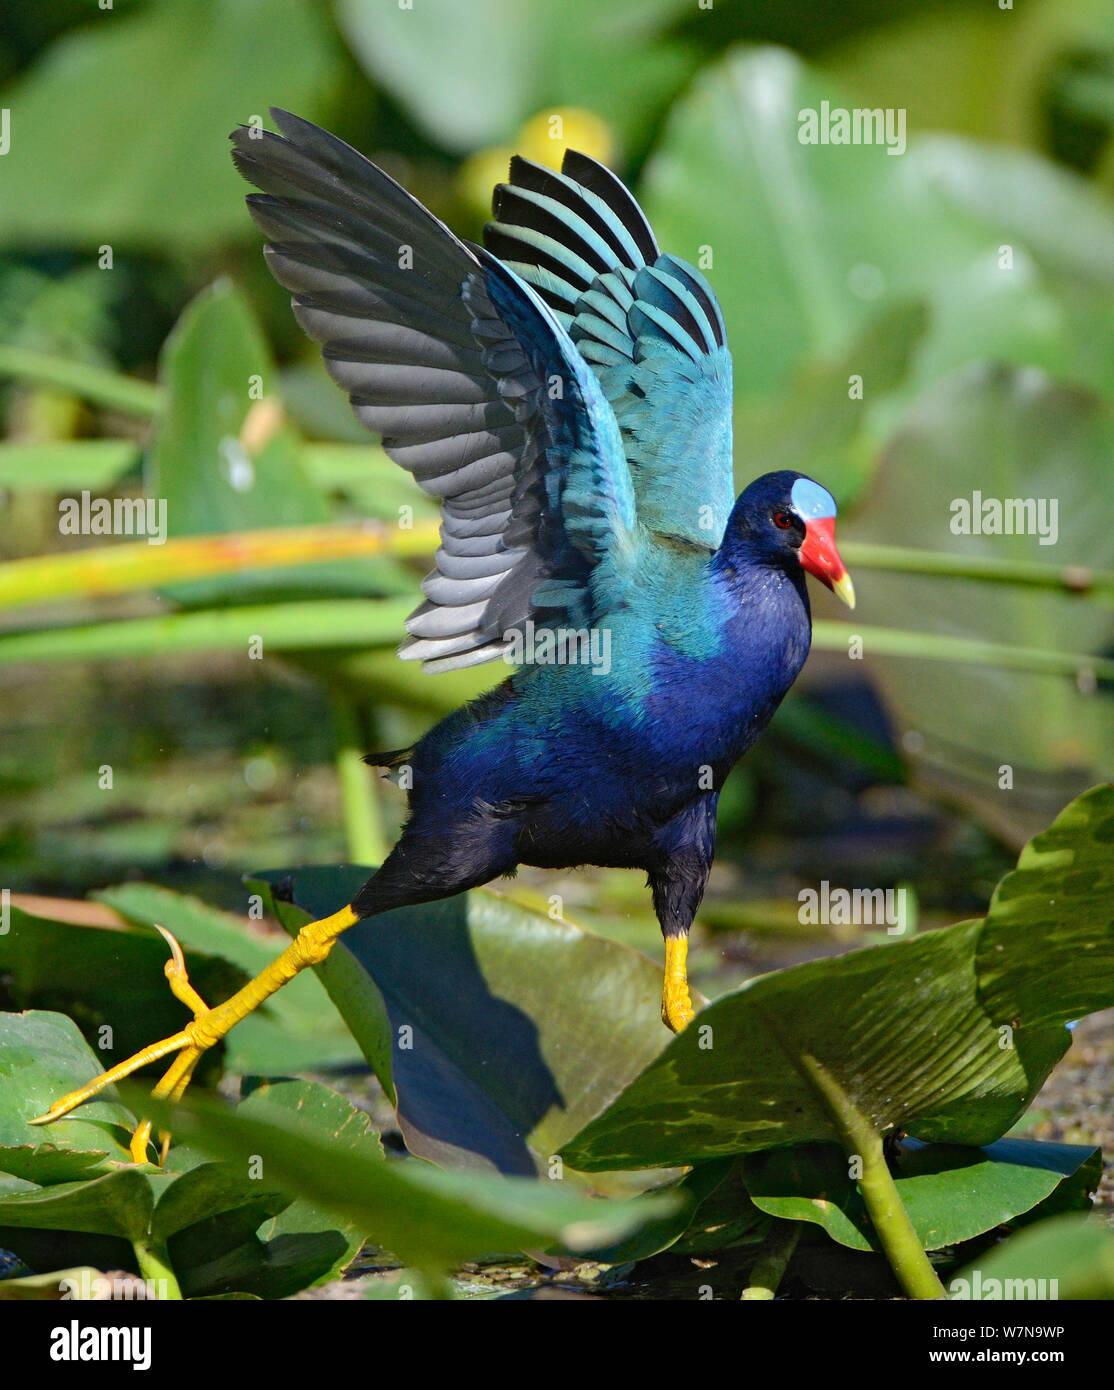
column 649, row 325
column 472, row 382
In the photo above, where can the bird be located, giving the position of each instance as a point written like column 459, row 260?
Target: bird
column 565, row 391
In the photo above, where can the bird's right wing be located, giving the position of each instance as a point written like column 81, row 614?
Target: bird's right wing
column 473, row 384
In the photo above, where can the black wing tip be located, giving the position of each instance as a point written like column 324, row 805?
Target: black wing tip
column 288, row 122
column 245, row 135
column 521, row 165
column 606, row 184
column 572, row 160
column 521, row 173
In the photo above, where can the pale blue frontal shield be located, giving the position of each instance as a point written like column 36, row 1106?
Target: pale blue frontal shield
column 811, row 501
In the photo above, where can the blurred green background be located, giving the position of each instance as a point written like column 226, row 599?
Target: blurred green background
column 968, row 282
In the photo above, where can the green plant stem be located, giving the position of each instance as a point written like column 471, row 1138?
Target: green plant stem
column 887, row 1213
column 773, row 1259
column 133, row 566
column 280, row 626
column 154, row 1263
column 361, row 624
column 91, row 383
column 363, row 825
column 1072, row 579
column 933, row 646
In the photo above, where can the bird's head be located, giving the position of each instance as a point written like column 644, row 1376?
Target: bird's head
column 788, row 520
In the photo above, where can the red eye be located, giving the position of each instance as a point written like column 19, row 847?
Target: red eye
column 783, row 520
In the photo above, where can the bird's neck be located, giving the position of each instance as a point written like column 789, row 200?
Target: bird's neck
column 749, row 573
column 767, row 623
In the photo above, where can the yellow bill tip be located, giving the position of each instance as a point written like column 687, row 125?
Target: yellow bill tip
column 844, row 589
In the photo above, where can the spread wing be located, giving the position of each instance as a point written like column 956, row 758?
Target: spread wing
column 473, row 383
column 648, row 324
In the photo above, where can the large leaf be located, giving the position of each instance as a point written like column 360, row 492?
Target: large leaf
column 104, row 976
column 816, row 417
column 1068, row 1257
column 541, row 58
column 499, row 1031
column 713, row 1211
column 226, row 459
column 433, row 1219
column 1045, row 952
column 116, row 1204
column 948, row 1034
column 834, row 233
column 951, row 1193
column 229, row 1227
column 42, row 1056
column 1007, row 434
column 211, row 477
column 112, row 172
column 270, row 1248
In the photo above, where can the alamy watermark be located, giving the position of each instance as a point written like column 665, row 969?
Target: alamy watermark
column 978, row 1289
column 113, row 516
column 836, row 125
column 561, row 646
column 1006, row 516
column 77, row 1343
column 87, row 1285
column 871, row 907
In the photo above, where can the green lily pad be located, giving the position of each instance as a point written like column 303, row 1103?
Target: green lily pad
column 432, row 1218
column 815, row 417
column 218, row 470
column 42, row 1056
column 498, row 1030
column 228, row 1226
column 209, row 478
column 948, row 1034
column 231, row 1227
column 1003, row 433
column 1068, row 1257
column 726, row 1217
column 544, row 59
column 952, row 1193
column 117, row 1204
column 104, row 977
column 205, row 66
column 281, row 1245
column 695, row 1194
column 838, row 233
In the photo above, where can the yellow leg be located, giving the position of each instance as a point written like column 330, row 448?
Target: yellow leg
column 172, row 1085
column 312, row 944
column 676, row 1005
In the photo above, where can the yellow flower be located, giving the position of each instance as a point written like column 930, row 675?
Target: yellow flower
column 479, row 174
column 544, row 138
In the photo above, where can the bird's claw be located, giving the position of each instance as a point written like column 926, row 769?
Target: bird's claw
column 187, row 1044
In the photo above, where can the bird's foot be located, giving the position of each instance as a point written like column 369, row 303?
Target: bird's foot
column 677, row 1011
column 189, row 1044
column 312, row 944
column 676, row 1003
